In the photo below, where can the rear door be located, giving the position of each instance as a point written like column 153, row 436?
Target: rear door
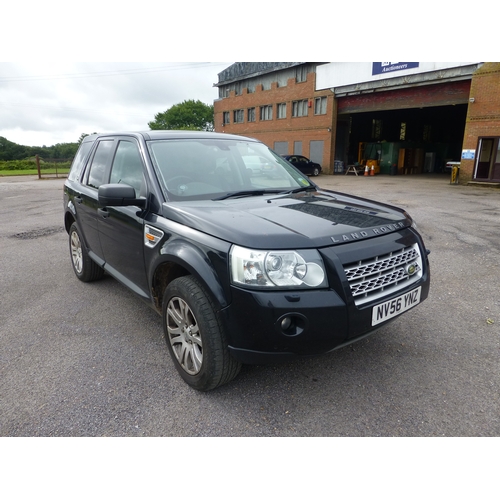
column 121, row 229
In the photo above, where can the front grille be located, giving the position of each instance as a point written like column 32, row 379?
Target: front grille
column 372, row 279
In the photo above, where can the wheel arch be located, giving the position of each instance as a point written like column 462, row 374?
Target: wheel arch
column 181, row 258
column 68, row 220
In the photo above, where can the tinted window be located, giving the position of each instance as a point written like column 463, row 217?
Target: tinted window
column 99, row 162
column 127, row 166
column 208, row 169
column 79, row 161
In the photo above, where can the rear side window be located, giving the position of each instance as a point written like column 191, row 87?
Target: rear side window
column 79, row 161
column 99, row 163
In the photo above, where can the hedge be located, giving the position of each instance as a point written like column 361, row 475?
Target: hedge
column 31, row 165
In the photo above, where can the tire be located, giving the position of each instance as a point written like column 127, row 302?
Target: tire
column 316, row 171
column 195, row 337
column 85, row 268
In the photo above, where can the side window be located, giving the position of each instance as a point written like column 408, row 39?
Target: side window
column 127, row 167
column 99, row 162
column 79, row 161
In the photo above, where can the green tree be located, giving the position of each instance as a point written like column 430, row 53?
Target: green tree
column 12, row 151
column 188, row 115
column 83, row 135
column 80, row 140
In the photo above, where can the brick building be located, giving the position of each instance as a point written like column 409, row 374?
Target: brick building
column 404, row 117
column 277, row 103
column 482, row 129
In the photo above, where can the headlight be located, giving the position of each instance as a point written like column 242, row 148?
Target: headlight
column 277, row 268
column 413, row 223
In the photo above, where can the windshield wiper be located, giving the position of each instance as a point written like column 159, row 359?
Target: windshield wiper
column 261, row 192
column 253, row 192
column 302, row 188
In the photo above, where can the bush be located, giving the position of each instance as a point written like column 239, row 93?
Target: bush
column 31, row 165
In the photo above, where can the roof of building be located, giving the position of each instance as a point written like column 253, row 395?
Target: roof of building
column 241, row 70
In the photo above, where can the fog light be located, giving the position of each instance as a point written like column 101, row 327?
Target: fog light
column 286, row 323
column 291, row 324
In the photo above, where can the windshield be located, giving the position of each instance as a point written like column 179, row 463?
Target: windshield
column 201, row 169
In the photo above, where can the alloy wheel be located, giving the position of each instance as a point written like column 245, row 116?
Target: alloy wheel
column 184, row 335
column 76, row 252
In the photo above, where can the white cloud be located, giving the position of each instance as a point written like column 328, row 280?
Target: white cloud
column 49, row 103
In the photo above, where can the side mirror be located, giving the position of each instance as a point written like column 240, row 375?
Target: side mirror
column 119, row 195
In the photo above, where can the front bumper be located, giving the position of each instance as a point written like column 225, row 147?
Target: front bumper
column 269, row 326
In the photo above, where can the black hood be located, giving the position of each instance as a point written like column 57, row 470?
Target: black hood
column 303, row 220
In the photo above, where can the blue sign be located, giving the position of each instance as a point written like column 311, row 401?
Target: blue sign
column 468, row 154
column 381, row 68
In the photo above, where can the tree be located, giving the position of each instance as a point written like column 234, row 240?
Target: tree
column 80, row 140
column 83, row 135
column 188, row 115
column 12, row 151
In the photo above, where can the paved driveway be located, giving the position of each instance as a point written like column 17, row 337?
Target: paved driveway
column 89, row 359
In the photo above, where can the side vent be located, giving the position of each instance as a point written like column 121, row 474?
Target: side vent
column 152, row 236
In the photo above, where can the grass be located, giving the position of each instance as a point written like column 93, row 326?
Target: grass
column 46, row 171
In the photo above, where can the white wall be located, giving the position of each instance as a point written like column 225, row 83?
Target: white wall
column 337, row 74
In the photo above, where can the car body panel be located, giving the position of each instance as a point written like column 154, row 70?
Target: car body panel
column 314, row 219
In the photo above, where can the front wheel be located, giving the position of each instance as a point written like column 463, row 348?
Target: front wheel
column 195, row 337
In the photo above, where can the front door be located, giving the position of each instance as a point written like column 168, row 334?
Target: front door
column 488, row 160
column 121, row 229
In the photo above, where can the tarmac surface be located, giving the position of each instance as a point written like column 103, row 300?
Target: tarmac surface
column 82, row 359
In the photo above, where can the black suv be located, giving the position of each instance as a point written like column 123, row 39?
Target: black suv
column 243, row 268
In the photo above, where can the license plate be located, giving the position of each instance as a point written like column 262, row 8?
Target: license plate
column 396, row 306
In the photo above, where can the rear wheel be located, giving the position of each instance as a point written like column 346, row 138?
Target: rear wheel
column 195, row 337
column 316, row 171
column 85, row 268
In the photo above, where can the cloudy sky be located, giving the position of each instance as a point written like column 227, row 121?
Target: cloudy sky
column 53, row 102
column 46, row 99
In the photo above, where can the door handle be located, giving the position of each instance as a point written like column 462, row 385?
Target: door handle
column 103, row 212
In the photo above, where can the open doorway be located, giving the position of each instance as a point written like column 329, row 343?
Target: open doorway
column 429, row 137
column 488, row 160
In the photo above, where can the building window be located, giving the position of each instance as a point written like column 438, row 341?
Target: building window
column 320, row 106
column 251, row 115
column 225, row 117
column 299, row 108
column 238, row 116
column 282, row 110
column 266, row 112
column 301, row 74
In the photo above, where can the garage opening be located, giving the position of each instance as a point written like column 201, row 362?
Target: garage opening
column 412, row 140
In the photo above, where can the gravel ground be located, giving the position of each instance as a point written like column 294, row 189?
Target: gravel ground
column 89, row 359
